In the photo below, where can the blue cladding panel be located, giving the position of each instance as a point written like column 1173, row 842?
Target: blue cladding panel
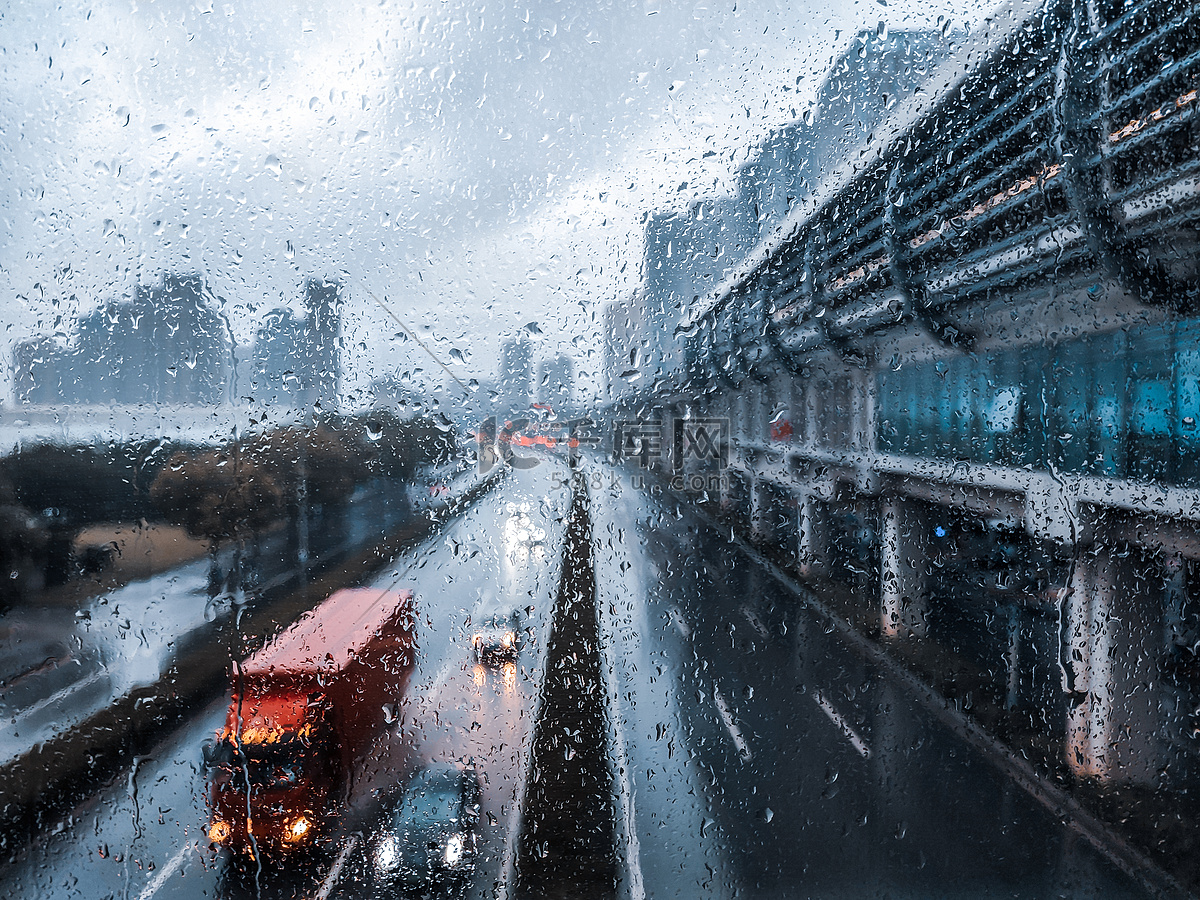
column 1124, row 405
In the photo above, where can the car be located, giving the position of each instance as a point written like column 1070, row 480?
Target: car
column 428, row 839
column 497, row 639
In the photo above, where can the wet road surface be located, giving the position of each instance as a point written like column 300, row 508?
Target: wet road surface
column 744, row 748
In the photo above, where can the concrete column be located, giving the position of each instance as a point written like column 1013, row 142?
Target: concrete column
column 904, row 565
column 1113, row 644
column 862, row 408
column 811, row 419
column 760, row 504
column 812, row 555
column 756, row 416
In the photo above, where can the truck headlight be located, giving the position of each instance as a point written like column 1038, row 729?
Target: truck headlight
column 454, row 849
column 297, row 830
column 387, row 854
column 218, row 831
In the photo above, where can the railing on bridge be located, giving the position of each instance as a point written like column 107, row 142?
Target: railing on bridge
column 1071, row 152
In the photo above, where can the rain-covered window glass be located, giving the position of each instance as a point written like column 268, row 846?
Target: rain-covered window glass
column 607, row 450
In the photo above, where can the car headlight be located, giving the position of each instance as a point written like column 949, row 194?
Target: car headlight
column 387, row 854
column 218, row 832
column 454, row 849
column 509, row 639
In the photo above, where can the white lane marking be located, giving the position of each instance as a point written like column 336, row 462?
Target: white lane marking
column 836, row 717
column 63, row 694
column 755, row 622
column 335, row 871
column 620, row 762
column 164, row 873
column 431, row 696
column 731, row 726
column 679, row 622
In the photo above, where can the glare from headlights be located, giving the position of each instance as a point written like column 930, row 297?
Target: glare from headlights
column 510, row 638
column 387, row 854
column 297, row 830
column 218, row 832
column 454, row 849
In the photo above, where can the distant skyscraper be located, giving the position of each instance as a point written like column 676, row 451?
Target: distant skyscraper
column 621, row 346
column 37, row 370
column 687, row 254
column 282, row 373
column 324, row 302
column 873, row 74
column 297, row 361
column 167, row 345
column 516, row 374
column 554, row 382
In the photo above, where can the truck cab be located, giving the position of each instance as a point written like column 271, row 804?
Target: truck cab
column 303, row 714
column 272, row 777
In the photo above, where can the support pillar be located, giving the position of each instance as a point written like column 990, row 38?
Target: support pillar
column 809, row 414
column 812, row 554
column 760, row 506
column 1112, row 646
column 904, row 564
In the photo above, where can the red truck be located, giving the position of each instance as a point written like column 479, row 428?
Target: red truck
column 304, row 713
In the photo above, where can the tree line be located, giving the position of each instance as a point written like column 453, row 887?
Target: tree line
column 49, row 492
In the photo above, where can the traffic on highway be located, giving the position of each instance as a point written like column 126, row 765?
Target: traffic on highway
column 745, row 746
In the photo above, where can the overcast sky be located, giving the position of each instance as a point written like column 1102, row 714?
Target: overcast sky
column 476, row 165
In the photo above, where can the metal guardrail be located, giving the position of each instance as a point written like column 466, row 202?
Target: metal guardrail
column 1070, row 151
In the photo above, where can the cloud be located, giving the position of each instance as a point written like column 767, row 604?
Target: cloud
column 479, row 164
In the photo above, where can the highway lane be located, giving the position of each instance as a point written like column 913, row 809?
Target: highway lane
column 483, row 715
column 767, row 759
column 665, row 822
column 143, row 836
column 752, row 751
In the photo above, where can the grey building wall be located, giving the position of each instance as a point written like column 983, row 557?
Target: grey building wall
column 865, row 82
column 555, row 382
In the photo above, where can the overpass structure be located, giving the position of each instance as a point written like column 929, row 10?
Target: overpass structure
column 965, row 375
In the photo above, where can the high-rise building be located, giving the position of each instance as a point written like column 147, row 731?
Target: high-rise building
column 297, row 360
column 282, row 373
column 37, row 369
column 622, row 343
column 170, row 345
column 554, row 383
column 324, row 302
column 516, row 374
column 877, row 71
column 166, row 345
column 686, row 256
